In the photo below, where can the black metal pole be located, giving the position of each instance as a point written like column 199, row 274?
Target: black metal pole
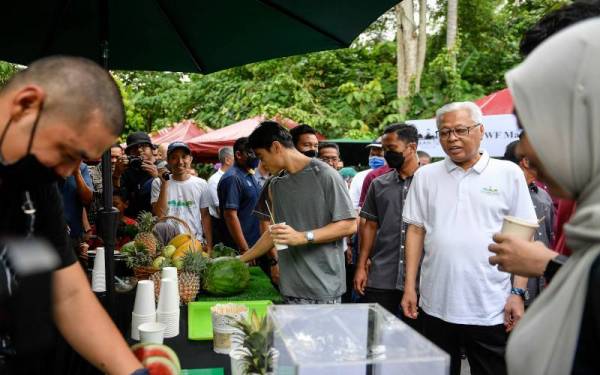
column 108, row 215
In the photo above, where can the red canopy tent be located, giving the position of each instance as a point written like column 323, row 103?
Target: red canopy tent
column 497, row 103
column 206, row 146
column 183, row 131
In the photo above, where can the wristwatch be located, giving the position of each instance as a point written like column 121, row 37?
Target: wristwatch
column 310, row 236
column 553, row 266
column 523, row 293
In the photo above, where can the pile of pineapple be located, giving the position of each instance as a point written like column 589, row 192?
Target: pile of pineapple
column 183, row 252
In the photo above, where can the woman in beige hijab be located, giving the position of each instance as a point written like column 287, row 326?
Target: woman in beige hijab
column 557, row 98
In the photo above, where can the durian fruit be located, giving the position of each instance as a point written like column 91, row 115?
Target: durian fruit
column 145, row 238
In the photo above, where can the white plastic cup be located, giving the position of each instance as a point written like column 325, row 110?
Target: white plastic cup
column 168, row 297
column 278, row 246
column 171, row 273
column 99, row 272
column 136, row 320
column 152, row 332
column 171, row 322
column 144, row 298
column 519, row 227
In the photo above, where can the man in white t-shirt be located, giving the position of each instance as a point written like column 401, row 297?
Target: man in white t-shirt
column 453, row 209
column 226, row 159
column 183, row 195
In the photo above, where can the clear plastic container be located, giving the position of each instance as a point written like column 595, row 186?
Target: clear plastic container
column 350, row 339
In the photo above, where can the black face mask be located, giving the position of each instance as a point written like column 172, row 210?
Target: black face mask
column 394, row 159
column 27, row 171
column 310, row 153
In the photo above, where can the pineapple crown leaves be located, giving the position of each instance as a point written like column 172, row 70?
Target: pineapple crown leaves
column 145, row 221
column 136, row 256
column 194, row 262
column 254, row 335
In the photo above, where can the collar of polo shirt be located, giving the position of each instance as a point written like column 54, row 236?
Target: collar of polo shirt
column 478, row 167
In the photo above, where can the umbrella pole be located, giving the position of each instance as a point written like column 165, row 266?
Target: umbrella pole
column 108, row 216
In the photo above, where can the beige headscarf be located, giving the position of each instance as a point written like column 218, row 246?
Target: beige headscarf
column 557, row 95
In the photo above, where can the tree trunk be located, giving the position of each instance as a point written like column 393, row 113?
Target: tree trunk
column 421, row 43
column 406, row 51
column 452, row 24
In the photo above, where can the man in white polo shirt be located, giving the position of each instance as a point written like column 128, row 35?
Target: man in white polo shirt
column 453, row 208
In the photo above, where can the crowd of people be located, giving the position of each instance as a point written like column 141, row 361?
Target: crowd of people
column 415, row 235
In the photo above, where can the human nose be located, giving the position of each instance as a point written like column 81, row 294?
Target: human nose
column 452, row 136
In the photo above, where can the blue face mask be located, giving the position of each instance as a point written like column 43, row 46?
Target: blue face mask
column 376, row 162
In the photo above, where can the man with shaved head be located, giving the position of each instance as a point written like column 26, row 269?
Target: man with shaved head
column 53, row 114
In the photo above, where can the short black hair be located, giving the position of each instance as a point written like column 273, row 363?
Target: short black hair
column 241, row 145
column 510, row 153
column 301, row 129
column 557, row 20
column 121, row 194
column 268, row 132
column 406, row 132
column 423, row 154
column 323, row 145
column 116, row 145
column 76, row 88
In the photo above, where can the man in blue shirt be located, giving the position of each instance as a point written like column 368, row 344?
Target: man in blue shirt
column 238, row 193
column 77, row 192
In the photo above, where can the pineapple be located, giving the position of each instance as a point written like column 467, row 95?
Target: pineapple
column 194, row 265
column 145, row 237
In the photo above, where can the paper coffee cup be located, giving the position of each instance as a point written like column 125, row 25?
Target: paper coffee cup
column 278, row 246
column 519, row 227
column 151, row 332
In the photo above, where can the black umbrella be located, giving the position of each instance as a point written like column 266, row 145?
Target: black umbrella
column 176, row 35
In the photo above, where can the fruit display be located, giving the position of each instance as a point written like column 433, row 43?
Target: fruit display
column 157, row 358
column 184, row 243
column 145, row 238
column 226, row 276
column 193, row 268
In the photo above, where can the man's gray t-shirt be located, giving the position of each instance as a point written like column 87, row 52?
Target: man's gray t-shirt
column 308, row 200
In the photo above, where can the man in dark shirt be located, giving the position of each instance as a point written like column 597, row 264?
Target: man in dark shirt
column 238, row 193
column 53, row 114
column 135, row 172
column 384, row 233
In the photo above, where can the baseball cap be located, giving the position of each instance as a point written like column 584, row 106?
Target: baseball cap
column 178, row 145
column 375, row 143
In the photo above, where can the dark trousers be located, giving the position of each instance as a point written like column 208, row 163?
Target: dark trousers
column 390, row 300
column 484, row 345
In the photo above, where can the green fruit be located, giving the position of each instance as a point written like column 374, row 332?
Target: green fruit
column 178, row 263
column 226, row 276
column 158, row 262
column 168, row 251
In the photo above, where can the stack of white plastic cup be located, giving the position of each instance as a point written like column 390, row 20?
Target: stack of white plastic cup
column 171, row 273
column 99, row 272
column 168, row 307
column 144, row 310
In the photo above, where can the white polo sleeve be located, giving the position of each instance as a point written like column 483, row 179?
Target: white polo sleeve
column 522, row 205
column 415, row 207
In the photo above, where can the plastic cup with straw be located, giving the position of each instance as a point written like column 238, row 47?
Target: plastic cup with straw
column 278, row 246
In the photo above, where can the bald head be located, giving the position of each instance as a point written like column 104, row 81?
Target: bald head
column 75, row 88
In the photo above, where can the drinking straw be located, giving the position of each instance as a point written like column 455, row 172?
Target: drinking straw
column 270, row 212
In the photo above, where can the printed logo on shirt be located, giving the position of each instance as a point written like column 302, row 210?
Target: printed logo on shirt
column 490, row 190
column 178, row 203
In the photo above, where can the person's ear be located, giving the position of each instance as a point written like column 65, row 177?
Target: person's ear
column 276, row 147
column 238, row 155
column 25, row 100
column 482, row 130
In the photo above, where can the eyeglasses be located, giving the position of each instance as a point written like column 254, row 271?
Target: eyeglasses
column 461, row 131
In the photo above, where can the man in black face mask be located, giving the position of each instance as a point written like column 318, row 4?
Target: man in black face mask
column 384, row 233
column 238, row 193
column 53, row 114
column 305, row 140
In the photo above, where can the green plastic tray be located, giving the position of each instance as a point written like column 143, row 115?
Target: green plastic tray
column 199, row 320
column 204, row 371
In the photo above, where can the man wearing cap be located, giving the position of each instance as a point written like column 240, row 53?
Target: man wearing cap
column 181, row 194
column 376, row 161
column 135, row 171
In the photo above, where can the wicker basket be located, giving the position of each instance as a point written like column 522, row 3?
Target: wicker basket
column 144, row 273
